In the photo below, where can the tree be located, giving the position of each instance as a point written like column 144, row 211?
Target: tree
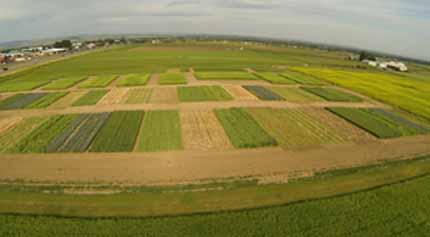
column 63, row 44
column 366, row 56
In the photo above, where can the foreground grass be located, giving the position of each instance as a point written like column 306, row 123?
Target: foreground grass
column 385, row 200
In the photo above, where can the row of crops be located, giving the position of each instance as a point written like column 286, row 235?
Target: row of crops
column 152, row 131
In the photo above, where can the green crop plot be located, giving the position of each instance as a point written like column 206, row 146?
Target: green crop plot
column 275, row 78
column 225, row 76
column 46, row 100
column 405, row 92
column 21, row 85
column 243, row 130
column 13, row 135
column 376, row 123
column 294, row 128
column 134, row 80
column 161, row 131
column 172, row 79
column 331, row 94
column 139, row 96
column 64, row 83
column 39, row 139
column 302, row 78
column 119, row 132
column 203, row 93
column 20, row 101
column 90, row 98
column 295, row 95
column 263, row 93
column 98, row 81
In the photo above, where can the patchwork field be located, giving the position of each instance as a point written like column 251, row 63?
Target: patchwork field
column 46, row 100
column 296, row 95
column 172, row 79
column 90, row 98
column 97, row 81
column 243, row 130
column 20, row 101
column 138, row 96
column 133, row 80
column 331, row 94
column 114, row 96
column 302, row 78
column 220, row 75
column 164, row 96
column 239, row 93
column 263, row 93
column 161, row 131
column 67, row 100
column 64, row 83
column 203, row 93
column 10, row 137
column 275, row 78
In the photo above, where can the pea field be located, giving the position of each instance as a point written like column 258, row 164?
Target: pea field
column 186, row 138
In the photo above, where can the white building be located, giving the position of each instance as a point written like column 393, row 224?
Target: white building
column 398, row 66
column 55, row 51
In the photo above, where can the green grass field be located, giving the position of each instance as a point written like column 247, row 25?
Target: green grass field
column 134, row 80
column 225, row 76
column 331, row 94
column 243, row 130
column 263, row 93
column 203, row 93
column 275, row 78
column 119, row 133
column 172, row 79
column 98, row 81
column 64, row 83
column 90, row 98
column 375, row 123
column 160, row 131
column 296, row 95
column 345, row 203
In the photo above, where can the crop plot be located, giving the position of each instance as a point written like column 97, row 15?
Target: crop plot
column 67, row 100
column 134, row 80
column 21, row 85
column 46, row 100
column 78, row 136
column 295, row 95
column 202, row 131
column 233, row 75
column 119, row 132
column 98, row 81
column 64, row 83
column 263, row 93
column 115, row 96
column 161, row 131
column 9, row 122
column 242, row 129
column 172, row 79
column 20, row 101
column 377, row 123
column 275, row 78
column 90, row 98
column 39, row 139
column 294, row 128
column 138, row 96
column 168, row 95
column 331, row 94
column 240, row 93
column 302, row 78
column 10, row 137
column 203, row 93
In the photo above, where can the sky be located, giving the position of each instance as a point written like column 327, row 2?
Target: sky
column 393, row 26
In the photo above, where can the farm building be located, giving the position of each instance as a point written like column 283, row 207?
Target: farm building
column 55, row 51
column 398, row 66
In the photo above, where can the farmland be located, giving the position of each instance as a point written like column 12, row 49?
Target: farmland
column 243, row 130
column 263, row 93
column 203, row 93
column 90, row 98
column 172, row 79
column 119, row 133
column 97, row 81
column 134, row 80
column 181, row 138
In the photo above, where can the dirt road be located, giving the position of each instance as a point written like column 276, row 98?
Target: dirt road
column 273, row 164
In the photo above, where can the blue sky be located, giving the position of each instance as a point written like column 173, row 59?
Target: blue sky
column 395, row 26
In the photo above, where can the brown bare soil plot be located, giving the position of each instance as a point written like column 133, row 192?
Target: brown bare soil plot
column 346, row 130
column 115, row 96
column 240, row 93
column 164, row 95
column 202, row 131
column 7, row 123
column 67, row 100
